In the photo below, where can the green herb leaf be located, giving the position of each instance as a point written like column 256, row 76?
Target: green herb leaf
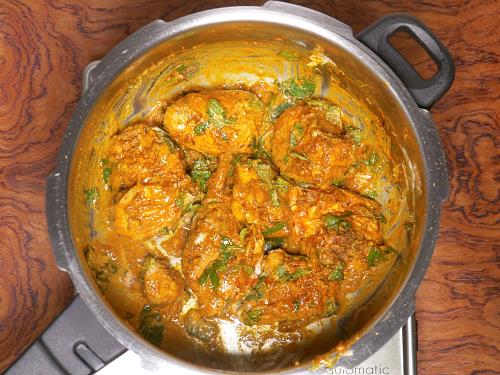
column 374, row 257
column 298, row 88
column 257, row 291
column 372, row 194
column 338, row 182
column 273, row 243
column 280, row 109
column 201, row 128
column 335, row 222
column 280, row 183
column 106, row 174
column 332, row 308
column 299, row 155
column 296, row 305
column 274, row 198
column 151, row 326
column 284, row 276
column 253, row 316
column 273, row 229
column 296, row 134
column 372, row 159
column 337, row 274
column 179, row 201
column 91, row 196
column 201, row 173
column 218, row 265
column 215, row 108
column 289, row 55
column 243, row 234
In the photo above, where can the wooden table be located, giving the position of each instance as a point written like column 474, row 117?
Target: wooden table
column 44, row 46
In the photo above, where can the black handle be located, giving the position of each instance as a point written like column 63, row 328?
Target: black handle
column 425, row 91
column 75, row 343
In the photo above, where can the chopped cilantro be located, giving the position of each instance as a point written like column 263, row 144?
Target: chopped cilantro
column 274, row 198
column 289, row 55
column 372, row 194
column 252, row 316
column 374, row 257
column 257, row 291
column 296, row 134
column 106, row 174
column 273, row 243
column 150, row 326
column 332, row 308
column 273, row 229
column 201, row 128
column 372, row 159
column 220, row 264
column 280, row 109
column 335, row 222
column 338, row 182
column 284, row 276
column 296, row 305
column 299, row 155
column 91, row 196
column 298, row 88
column 337, row 274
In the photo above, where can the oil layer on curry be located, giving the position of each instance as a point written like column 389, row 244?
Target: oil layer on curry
column 259, row 206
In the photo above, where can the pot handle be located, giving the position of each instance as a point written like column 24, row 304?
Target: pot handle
column 75, row 343
column 425, row 91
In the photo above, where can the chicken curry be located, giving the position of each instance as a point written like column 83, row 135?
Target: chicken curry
column 261, row 206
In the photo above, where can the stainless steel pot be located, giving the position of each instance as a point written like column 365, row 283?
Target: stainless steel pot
column 89, row 334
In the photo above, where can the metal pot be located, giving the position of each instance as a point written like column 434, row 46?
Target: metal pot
column 77, row 344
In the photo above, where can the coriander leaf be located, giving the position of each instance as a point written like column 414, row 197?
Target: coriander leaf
column 273, row 229
column 372, row 159
column 252, row 316
column 151, row 326
column 298, row 88
column 106, row 174
column 337, row 274
column 332, row 308
column 299, row 155
column 215, row 108
column 201, row 128
column 374, row 257
column 296, row 134
column 280, row 109
column 372, row 194
column 289, row 55
column 335, row 222
column 274, row 198
column 91, row 196
column 273, row 243
column 338, row 182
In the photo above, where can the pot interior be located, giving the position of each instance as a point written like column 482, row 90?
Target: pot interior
column 239, row 55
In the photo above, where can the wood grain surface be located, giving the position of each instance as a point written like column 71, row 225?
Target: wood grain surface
column 44, row 46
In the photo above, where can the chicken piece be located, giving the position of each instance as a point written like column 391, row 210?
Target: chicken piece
column 215, row 122
column 217, row 264
column 291, row 289
column 337, row 210
column 145, row 155
column 258, row 194
column 162, row 285
column 310, row 146
column 146, row 210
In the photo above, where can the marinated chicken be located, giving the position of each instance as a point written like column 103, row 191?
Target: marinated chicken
column 227, row 212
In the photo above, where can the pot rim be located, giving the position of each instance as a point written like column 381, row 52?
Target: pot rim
column 281, row 14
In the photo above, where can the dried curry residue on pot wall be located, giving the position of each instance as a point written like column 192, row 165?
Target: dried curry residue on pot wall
column 238, row 187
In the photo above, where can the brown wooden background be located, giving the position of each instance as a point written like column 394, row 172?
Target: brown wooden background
column 44, row 46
